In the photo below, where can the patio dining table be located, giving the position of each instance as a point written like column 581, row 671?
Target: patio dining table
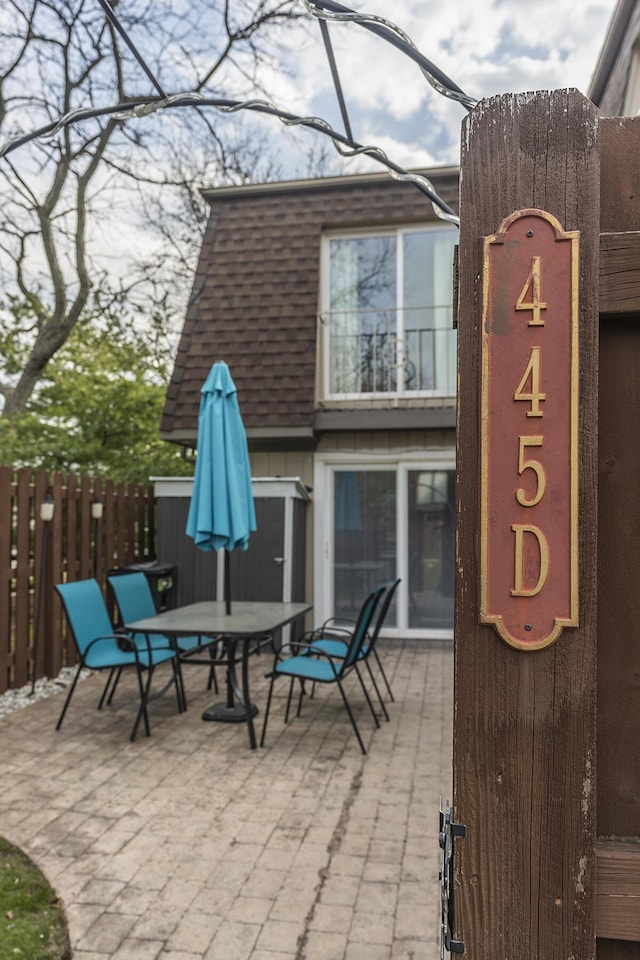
column 242, row 632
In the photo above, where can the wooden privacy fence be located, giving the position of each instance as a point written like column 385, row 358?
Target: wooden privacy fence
column 36, row 553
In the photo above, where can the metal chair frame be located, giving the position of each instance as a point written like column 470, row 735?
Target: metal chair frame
column 113, row 651
column 135, row 602
column 312, row 664
column 326, row 637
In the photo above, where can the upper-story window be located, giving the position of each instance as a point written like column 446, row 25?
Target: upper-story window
column 387, row 313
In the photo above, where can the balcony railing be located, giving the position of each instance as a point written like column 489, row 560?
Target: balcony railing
column 367, row 352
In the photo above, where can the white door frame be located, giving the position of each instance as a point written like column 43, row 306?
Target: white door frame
column 323, row 529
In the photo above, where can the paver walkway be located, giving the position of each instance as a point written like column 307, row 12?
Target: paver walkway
column 188, row 846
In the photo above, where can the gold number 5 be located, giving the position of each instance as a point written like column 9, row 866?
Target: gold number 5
column 536, row 466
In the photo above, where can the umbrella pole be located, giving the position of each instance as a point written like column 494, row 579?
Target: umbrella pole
column 227, row 583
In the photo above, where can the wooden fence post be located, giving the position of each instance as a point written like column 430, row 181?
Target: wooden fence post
column 23, row 619
column 6, row 577
column 55, row 654
column 41, row 579
column 524, row 727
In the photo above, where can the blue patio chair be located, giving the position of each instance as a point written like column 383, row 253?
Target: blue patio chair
column 135, row 602
column 333, row 640
column 99, row 648
column 323, row 668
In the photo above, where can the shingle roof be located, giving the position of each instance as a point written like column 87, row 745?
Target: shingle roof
column 255, row 296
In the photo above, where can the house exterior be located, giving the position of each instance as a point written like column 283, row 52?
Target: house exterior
column 615, row 85
column 331, row 301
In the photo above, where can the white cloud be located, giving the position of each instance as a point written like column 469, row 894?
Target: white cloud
column 487, row 47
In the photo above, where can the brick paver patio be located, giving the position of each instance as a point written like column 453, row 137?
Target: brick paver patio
column 188, row 846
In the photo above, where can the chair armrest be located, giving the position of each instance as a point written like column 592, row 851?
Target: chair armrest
column 332, row 634
column 122, row 639
column 132, row 637
column 333, row 620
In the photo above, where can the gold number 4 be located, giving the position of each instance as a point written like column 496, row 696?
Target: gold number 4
column 533, row 286
column 531, row 380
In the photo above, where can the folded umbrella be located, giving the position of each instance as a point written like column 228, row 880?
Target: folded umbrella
column 221, row 512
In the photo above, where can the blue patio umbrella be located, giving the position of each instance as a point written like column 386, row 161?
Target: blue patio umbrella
column 221, row 513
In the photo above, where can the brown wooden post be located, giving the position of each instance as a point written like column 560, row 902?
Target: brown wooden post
column 98, row 537
column 41, row 567
column 524, row 727
column 6, row 576
column 54, row 654
column 84, row 520
column 23, row 513
column 618, row 787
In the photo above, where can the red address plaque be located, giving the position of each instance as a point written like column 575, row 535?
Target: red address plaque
column 529, row 430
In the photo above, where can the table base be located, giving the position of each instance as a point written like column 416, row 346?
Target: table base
column 223, row 713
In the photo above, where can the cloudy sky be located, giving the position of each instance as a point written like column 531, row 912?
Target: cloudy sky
column 487, row 47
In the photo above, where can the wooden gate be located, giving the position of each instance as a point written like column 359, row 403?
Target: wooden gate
column 547, row 718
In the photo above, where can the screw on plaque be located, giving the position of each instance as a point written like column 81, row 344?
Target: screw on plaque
column 529, row 233
column 527, row 626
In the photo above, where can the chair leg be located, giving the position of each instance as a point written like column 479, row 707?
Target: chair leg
column 142, row 710
column 69, row 695
column 377, row 690
column 302, row 693
column 116, row 680
column 384, row 676
column 266, row 712
column 367, row 697
column 181, row 696
column 286, row 713
column 107, row 688
column 351, row 716
column 213, row 679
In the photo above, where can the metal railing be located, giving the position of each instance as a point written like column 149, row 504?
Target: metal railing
column 397, row 352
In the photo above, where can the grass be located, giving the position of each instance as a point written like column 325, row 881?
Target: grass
column 32, row 923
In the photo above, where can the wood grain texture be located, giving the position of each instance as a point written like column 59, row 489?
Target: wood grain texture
column 618, row 793
column 620, row 181
column 620, row 273
column 524, row 725
column 618, row 782
column 618, row 892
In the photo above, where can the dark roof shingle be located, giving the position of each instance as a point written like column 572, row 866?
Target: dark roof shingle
column 255, row 296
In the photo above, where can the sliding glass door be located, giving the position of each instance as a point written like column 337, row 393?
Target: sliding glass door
column 430, row 543
column 381, row 522
column 364, row 536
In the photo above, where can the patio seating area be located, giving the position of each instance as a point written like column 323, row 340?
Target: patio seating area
column 187, row 845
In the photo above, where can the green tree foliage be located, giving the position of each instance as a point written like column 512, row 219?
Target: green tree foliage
column 98, row 407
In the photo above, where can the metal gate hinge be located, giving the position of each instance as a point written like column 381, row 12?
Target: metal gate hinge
column 449, row 830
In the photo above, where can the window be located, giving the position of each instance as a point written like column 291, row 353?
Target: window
column 387, row 313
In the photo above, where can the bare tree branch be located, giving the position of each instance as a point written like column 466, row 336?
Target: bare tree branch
column 59, row 198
